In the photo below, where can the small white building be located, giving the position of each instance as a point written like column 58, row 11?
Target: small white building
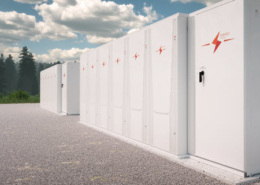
column 59, row 88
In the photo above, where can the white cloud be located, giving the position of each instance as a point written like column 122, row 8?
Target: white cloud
column 100, row 20
column 206, row 2
column 50, row 30
column 16, row 27
column 14, row 20
column 31, row 1
column 14, row 51
column 98, row 40
column 132, row 31
column 43, row 58
column 10, row 50
column 61, row 55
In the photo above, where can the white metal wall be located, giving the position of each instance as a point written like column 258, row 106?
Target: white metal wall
column 73, row 79
column 104, row 57
column 50, row 88
column 64, row 88
column 70, row 88
column 92, row 65
column 163, row 76
column 252, row 86
column 136, row 66
column 83, row 87
column 137, row 85
column 117, row 64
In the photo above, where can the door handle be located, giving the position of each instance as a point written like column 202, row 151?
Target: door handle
column 61, row 85
column 201, row 75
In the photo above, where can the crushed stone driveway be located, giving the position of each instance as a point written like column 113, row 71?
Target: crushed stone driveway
column 39, row 147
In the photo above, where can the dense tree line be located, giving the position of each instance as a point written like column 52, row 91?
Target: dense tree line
column 23, row 75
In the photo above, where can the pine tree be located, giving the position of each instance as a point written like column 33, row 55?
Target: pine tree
column 22, row 69
column 10, row 74
column 27, row 72
column 35, row 87
column 2, row 74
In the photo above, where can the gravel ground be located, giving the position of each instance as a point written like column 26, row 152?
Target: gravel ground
column 39, row 147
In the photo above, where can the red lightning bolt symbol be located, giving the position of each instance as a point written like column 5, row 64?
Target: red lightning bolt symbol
column 216, row 42
column 136, row 56
column 161, row 50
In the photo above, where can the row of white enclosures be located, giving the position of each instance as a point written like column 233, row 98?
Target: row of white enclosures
column 59, row 88
column 188, row 84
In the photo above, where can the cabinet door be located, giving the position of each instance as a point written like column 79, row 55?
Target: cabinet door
column 219, row 85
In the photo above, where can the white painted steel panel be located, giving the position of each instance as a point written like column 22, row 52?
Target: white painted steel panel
column 83, row 87
column 50, row 88
column 179, row 89
column 73, row 79
column 136, row 75
column 64, row 88
column 117, row 64
column 164, row 83
column 92, row 65
column 70, row 88
column 97, row 90
column 104, row 60
column 88, row 92
column 126, row 93
column 252, row 86
column 191, row 86
column 220, row 98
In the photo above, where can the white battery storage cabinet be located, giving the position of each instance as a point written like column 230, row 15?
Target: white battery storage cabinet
column 224, row 88
column 59, row 88
column 50, row 88
column 70, row 88
column 186, row 86
column 136, row 86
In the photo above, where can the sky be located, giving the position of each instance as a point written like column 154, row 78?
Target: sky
column 61, row 30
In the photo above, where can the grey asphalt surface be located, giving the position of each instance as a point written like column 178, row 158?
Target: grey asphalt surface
column 39, row 147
